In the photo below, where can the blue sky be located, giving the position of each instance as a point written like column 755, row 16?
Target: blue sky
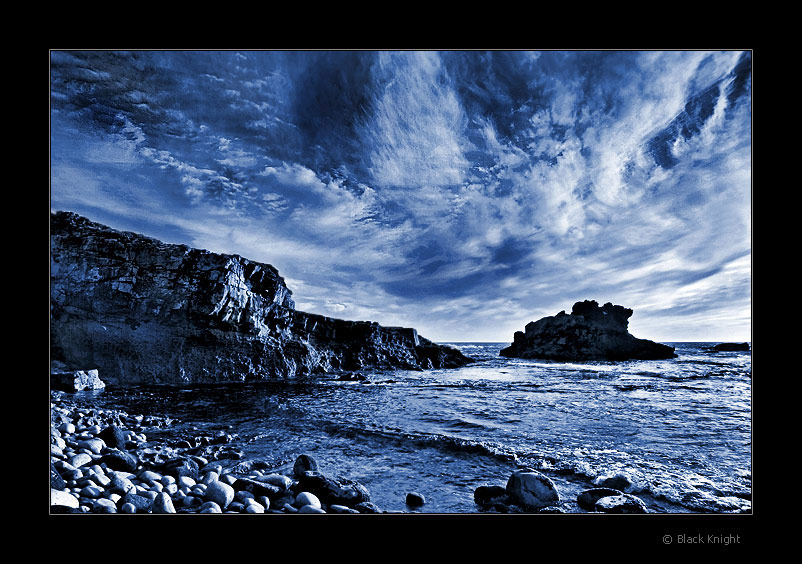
column 463, row 193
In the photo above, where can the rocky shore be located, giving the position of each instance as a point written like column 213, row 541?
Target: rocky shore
column 105, row 461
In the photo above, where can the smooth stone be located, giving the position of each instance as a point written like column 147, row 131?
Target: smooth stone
column 264, row 501
column 210, row 477
column 367, row 507
column 210, row 507
column 128, row 508
column 228, row 479
column 304, row 463
column 58, row 497
column 254, row 508
column 489, row 495
column 163, row 504
column 120, row 460
column 235, row 507
column 186, row 482
column 306, row 498
column 67, row 428
column 283, row 482
column 341, row 509
column 114, row 437
column 620, row 482
column 624, row 503
column 91, row 492
column 122, row 485
column 588, row 498
column 81, row 459
column 414, row 499
column 92, row 445
column 220, row 493
column 242, row 495
column 150, row 476
column 310, row 509
column 103, row 505
column 531, row 489
column 167, row 480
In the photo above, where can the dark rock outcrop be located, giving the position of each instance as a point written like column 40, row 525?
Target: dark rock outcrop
column 146, row 312
column 590, row 332
column 730, row 347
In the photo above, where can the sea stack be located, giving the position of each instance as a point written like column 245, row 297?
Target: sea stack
column 141, row 311
column 590, row 332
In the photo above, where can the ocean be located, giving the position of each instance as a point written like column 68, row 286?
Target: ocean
column 680, row 430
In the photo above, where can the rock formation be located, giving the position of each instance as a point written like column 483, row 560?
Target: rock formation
column 590, row 332
column 142, row 311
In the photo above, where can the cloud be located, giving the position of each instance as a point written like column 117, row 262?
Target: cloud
column 440, row 189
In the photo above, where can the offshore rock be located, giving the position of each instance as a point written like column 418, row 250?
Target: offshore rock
column 729, row 347
column 590, row 332
column 146, row 312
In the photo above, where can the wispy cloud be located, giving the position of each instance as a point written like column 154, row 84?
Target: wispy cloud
column 463, row 193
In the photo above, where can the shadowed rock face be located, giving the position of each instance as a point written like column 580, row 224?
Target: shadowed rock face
column 590, row 332
column 143, row 311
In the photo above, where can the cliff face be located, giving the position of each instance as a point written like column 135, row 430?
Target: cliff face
column 142, row 311
column 590, row 332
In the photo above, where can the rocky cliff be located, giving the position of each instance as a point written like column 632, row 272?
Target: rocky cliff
column 143, row 311
column 590, row 332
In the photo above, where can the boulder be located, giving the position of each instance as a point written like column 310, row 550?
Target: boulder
column 332, row 490
column 532, row 490
column 623, row 503
column 590, row 332
column 415, row 499
column 76, row 381
column 588, row 498
column 486, row 496
column 58, row 497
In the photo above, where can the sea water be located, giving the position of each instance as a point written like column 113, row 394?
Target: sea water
column 678, row 429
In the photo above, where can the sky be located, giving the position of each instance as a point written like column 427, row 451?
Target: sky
column 462, row 193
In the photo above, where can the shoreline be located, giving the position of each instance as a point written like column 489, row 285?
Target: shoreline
column 106, row 461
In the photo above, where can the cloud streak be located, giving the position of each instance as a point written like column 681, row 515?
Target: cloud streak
column 462, row 193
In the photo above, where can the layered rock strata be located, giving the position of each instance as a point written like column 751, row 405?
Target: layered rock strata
column 141, row 311
column 590, row 332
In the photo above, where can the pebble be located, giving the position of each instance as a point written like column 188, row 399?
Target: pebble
column 220, row 493
column 306, row 498
column 163, row 504
column 81, row 459
column 210, row 507
column 58, row 497
column 310, row 509
column 129, row 508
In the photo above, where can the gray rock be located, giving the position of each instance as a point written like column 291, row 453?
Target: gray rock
column 590, row 332
column 310, row 509
column 163, row 504
column 415, row 499
column 624, row 503
column 76, row 381
column 103, row 505
column 489, row 495
column 588, row 498
column 531, row 489
column 140, row 502
column 58, row 497
column 220, row 493
column 210, row 507
column 620, row 482
column 306, row 498
column 367, row 507
column 147, row 312
column 303, row 464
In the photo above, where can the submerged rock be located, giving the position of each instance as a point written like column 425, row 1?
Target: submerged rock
column 590, row 332
column 623, row 503
column 146, row 312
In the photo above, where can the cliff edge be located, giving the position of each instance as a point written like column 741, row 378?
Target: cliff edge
column 146, row 312
column 590, row 332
